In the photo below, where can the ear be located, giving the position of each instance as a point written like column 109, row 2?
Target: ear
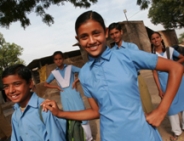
column 106, row 32
column 76, row 37
column 31, row 84
column 121, row 32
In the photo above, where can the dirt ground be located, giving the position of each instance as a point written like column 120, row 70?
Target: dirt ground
column 164, row 129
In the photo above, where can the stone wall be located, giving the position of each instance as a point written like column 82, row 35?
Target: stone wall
column 169, row 37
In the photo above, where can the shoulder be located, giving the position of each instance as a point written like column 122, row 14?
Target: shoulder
column 131, row 45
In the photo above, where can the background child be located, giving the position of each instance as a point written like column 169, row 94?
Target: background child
column 70, row 98
column 116, row 33
column 161, row 78
column 28, row 121
column 109, row 80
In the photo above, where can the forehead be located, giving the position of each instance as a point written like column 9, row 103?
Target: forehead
column 114, row 30
column 12, row 78
column 155, row 35
column 89, row 26
column 58, row 56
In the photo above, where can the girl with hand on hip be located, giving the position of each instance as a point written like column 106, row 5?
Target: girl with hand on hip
column 109, row 80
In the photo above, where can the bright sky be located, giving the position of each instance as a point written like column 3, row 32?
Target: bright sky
column 40, row 40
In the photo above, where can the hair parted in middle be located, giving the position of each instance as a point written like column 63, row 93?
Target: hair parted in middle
column 89, row 15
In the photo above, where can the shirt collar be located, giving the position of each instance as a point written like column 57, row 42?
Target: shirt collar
column 105, row 56
column 123, row 44
column 33, row 102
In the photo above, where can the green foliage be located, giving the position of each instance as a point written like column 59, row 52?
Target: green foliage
column 9, row 54
column 17, row 10
column 181, row 38
column 169, row 13
column 144, row 4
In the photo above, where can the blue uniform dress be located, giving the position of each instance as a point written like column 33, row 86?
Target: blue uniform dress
column 111, row 80
column 28, row 126
column 178, row 102
column 126, row 45
column 70, row 98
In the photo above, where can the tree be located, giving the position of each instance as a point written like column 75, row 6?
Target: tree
column 144, row 4
column 17, row 10
column 9, row 54
column 169, row 13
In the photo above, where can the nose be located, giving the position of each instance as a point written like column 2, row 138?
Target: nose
column 11, row 89
column 92, row 40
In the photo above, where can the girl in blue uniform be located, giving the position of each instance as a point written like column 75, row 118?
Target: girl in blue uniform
column 70, row 98
column 109, row 80
column 161, row 78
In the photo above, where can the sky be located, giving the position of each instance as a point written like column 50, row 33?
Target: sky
column 40, row 40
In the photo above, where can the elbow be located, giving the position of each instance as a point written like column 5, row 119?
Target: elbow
column 179, row 69
column 45, row 85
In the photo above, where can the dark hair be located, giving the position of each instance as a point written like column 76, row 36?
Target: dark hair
column 20, row 70
column 89, row 15
column 56, row 53
column 152, row 46
column 115, row 25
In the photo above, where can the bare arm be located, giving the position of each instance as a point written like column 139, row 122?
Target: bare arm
column 52, row 86
column 155, row 76
column 88, row 114
column 175, row 71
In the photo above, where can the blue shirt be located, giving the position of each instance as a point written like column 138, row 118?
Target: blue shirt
column 28, row 126
column 111, row 80
column 126, row 45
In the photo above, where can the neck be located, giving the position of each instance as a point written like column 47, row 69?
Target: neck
column 158, row 48
column 24, row 102
column 61, row 67
column 119, row 43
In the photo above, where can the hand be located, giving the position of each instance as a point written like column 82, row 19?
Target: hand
column 59, row 88
column 155, row 117
column 74, row 84
column 161, row 94
column 51, row 106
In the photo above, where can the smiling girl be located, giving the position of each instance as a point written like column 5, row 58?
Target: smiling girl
column 161, row 78
column 109, row 80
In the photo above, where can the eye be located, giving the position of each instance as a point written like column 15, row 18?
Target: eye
column 96, row 33
column 5, row 87
column 17, row 83
column 83, row 37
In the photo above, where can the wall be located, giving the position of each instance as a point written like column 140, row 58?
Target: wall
column 169, row 37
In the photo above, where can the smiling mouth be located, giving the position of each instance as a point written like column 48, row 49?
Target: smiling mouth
column 93, row 47
column 14, row 97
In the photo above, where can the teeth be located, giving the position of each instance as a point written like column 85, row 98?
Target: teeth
column 14, row 96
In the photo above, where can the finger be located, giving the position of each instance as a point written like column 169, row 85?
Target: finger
column 48, row 107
